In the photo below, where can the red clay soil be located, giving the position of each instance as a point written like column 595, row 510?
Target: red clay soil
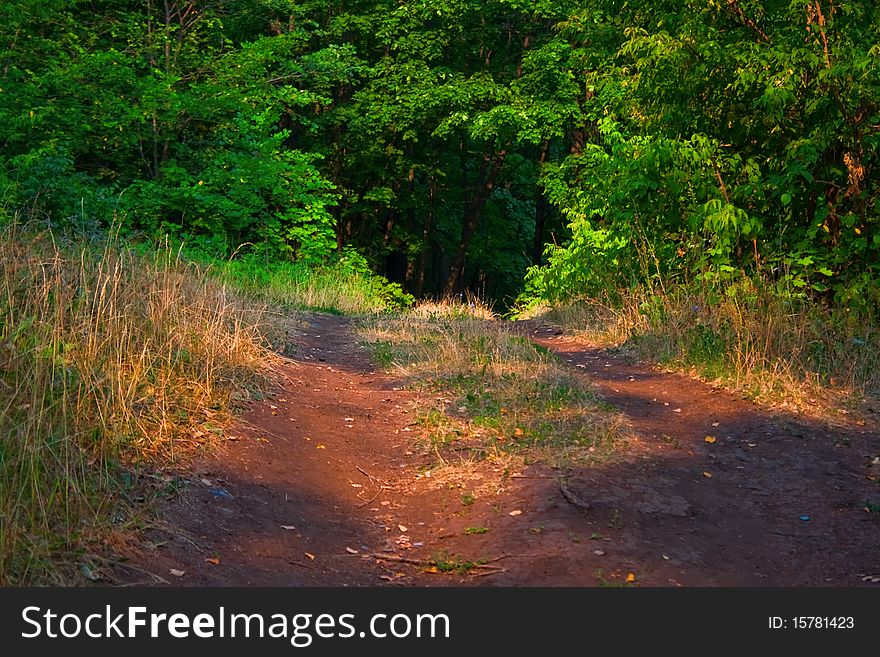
column 325, row 485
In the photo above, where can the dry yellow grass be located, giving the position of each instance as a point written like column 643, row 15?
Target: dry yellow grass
column 797, row 354
column 466, row 307
column 106, row 358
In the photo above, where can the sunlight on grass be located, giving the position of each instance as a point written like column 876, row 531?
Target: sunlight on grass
column 489, row 393
column 799, row 355
column 107, row 359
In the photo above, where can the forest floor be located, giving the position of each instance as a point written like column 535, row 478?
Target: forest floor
column 325, row 483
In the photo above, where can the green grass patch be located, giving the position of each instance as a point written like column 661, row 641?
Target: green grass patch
column 471, row 531
column 490, row 392
column 344, row 285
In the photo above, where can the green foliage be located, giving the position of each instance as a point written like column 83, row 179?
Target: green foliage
column 452, row 141
column 724, row 140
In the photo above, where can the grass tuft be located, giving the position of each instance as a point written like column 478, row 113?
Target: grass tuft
column 490, row 393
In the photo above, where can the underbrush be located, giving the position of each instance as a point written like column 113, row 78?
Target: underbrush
column 108, row 360
column 490, row 393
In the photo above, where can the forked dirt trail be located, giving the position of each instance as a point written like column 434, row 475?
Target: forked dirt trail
column 326, row 484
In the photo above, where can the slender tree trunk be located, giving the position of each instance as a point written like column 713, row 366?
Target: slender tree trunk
column 542, row 210
column 389, row 227
column 492, row 164
column 418, row 285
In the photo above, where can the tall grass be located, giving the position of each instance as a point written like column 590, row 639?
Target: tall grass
column 798, row 353
column 106, row 358
column 341, row 287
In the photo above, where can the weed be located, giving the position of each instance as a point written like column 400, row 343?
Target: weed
column 475, row 530
column 615, row 522
column 613, row 583
column 453, row 564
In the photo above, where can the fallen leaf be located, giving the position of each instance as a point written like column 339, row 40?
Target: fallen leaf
column 177, row 573
column 631, row 578
column 515, row 512
column 349, row 419
column 707, row 475
column 710, row 439
column 351, row 550
column 213, row 560
column 676, row 410
column 716, row 424
column 432, row 569
column 518, row 432
column 321, row 447
column 288, row 527
column 599, row 553
column 310, row 555
column 402, row 528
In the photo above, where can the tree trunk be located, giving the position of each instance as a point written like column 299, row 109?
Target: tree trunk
column 542, row 210
column 472, row 214
column 418, row 285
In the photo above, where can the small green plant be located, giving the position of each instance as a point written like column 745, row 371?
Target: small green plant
column 615, row 522
column 445, row 563
column 467, row 499
column 470, row 531
column 609, row 583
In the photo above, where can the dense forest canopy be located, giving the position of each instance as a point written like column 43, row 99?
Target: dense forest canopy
column 588, row 146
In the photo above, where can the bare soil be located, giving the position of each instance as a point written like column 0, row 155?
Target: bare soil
column 324, row 483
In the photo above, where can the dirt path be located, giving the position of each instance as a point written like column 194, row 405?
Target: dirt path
column 326, row 485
